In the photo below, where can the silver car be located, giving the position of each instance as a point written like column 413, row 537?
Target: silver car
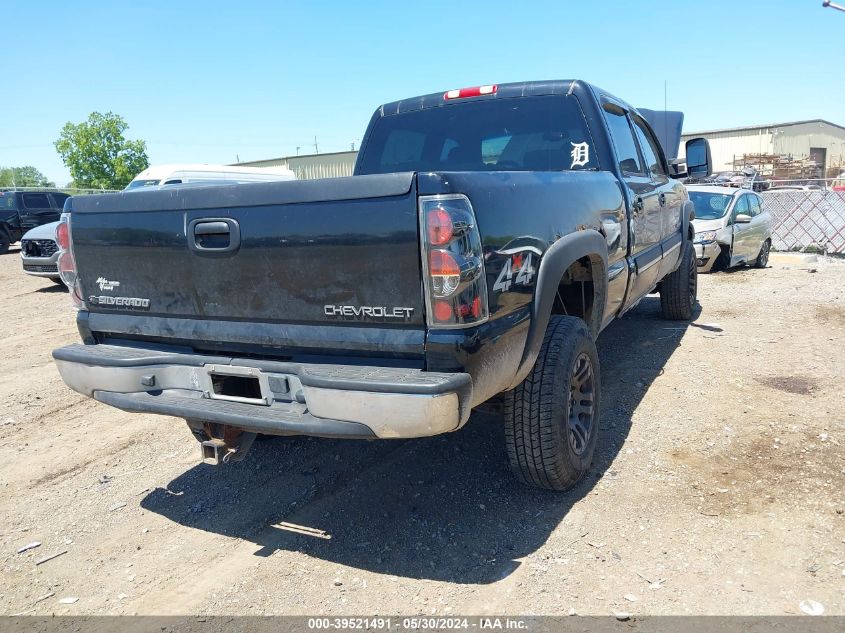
column 40, row 253
column 732, row 227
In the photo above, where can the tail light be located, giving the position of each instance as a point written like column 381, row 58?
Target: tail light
column 66, row 263
column 453, row 262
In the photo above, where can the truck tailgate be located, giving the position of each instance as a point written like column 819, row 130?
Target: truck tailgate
column 300, row 253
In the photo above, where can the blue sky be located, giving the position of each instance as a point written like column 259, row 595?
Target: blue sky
column 206, row 81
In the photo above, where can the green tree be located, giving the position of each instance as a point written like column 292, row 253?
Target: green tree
column 26, row 176
column 98, row 155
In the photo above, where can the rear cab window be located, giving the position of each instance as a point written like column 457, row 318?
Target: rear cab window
column 542, row 133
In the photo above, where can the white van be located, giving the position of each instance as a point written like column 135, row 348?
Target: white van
column 177, row 174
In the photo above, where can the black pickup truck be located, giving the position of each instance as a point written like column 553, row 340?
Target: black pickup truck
column 21, row 211
column 486, row 238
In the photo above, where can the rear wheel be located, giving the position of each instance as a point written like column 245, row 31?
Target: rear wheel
column 763, row 258
column 552, row 417
column 679, row 290
column 5, row 242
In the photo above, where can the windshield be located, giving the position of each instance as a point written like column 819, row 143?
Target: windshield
column 709, row 206
column 143, row 183
column 522, row 134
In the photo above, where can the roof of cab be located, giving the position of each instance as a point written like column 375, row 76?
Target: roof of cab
column 503, row 91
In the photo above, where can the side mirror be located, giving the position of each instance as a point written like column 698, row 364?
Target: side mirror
column 699, row 161
column 742, row 218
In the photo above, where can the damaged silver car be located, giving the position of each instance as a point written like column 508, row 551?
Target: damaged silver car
column 732, row 228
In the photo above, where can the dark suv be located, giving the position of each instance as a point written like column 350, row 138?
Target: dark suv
column 21, row 211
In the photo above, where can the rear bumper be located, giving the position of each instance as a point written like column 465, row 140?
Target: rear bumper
column 294, row 398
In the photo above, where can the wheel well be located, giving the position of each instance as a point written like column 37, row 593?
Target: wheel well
column 723, row 259
column 576, row 293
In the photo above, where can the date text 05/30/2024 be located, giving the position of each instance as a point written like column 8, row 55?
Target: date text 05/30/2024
column 419, row 623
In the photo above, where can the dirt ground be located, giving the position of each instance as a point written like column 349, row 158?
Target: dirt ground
column 718, row 487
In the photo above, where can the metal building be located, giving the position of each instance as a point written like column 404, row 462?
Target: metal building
column 312, row 166
column 817, row 140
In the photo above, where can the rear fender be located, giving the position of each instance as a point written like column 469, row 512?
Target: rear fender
column 556, row 260
column 687, row 231
column 687, row 216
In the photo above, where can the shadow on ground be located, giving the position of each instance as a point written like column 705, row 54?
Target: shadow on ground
column 53, row 287
column 443, row 508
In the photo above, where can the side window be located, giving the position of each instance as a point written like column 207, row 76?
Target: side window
column 36, row 201
column 623, row 140
column 650, row 147
column 754, row 205
column 741, row 207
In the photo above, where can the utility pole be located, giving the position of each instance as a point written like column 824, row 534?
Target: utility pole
column 316, row 147
column 297, row 150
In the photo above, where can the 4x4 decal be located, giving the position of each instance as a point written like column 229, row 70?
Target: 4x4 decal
column 523, row 264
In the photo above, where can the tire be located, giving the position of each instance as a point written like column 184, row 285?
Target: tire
column 679, row 290
column 549, row 440
column 5, row 242
column 763, row 257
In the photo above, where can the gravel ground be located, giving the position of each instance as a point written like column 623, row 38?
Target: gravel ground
column 717, row 489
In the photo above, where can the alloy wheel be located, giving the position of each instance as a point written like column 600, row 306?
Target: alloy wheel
column 581, row 408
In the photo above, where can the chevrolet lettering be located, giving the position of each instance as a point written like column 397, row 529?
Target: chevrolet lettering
column 375, row 312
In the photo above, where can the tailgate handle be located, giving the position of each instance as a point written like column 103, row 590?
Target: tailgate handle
column 211, row 228
column 214, row 235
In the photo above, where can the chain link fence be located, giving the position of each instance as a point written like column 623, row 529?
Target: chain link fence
column 805, row 219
